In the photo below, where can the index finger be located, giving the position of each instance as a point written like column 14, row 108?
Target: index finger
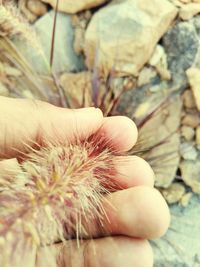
column 27, row 122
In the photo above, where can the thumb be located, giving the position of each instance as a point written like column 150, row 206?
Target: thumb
column 27, row 122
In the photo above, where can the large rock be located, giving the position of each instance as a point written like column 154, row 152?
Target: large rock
column 122, row 36
column 74, row 6
column 181, row 44
column 190, row 171
column 180, row 247
column 158, row 136
column 77, row 88
column 65, row 58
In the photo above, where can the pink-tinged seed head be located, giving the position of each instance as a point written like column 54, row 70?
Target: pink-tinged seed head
column 61, row 194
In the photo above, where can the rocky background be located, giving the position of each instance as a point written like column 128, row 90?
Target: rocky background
column 138, row 58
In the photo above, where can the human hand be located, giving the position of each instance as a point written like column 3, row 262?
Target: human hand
column 141, row 213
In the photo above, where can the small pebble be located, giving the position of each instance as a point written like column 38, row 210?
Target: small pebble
column 192, row 120
column 188, row 151
column 198, row 136
column 188, row 133
column 188, row 99
column 37, row 7
column 174, row 193
column 184, row 201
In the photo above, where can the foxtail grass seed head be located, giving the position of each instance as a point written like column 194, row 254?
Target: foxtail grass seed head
column 12, row 23
column 62, row 193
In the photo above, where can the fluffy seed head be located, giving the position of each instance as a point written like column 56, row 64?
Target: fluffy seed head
column 12, row 23
column 61, row 192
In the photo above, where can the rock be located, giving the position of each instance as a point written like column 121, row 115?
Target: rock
column 187, row 132
column 188, row 11
column 116, row 37
column 174, row 193
column 159, row 61
column 37, row 7
column 185, row 199
column 180, row 247
column 79, row 40
column 158, row 56
column 191, row 119
column 79, row 23
column 196, row 22
column 22, row 6
column 129, row 83
column 181, row 44
column 158, row 119
column 74, row 6
column 159, row 140
column 188, row 151
column 65, row 58
column 191, row 174
column 188, row 99
column 186, row 1
column 77, row 88
column 145, row 76
column 198, row 136
column 139, row 102
column 193, row 75
column 155, row 88
column 177, row 3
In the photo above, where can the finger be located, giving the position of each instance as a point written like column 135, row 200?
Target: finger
column 104, row 252
column 137, row 212
column 139, row 206
column 132, row 171
column 119, row 132
column 143, row 213
column 24, row 122
column 18, row 255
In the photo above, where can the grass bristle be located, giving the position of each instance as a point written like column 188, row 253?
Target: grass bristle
column 62, row 194
column 12, row 23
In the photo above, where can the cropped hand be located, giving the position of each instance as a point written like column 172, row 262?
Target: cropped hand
column 141, row 212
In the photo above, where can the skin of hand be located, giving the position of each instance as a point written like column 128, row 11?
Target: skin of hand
column 143, row 213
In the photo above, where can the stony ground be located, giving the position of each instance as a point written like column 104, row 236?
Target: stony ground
column 139, row 58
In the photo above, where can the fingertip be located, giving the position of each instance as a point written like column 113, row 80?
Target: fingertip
column 87, row 121
column 143, row 213
column 162, row 215
column 155, row 216
column 120, row 131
